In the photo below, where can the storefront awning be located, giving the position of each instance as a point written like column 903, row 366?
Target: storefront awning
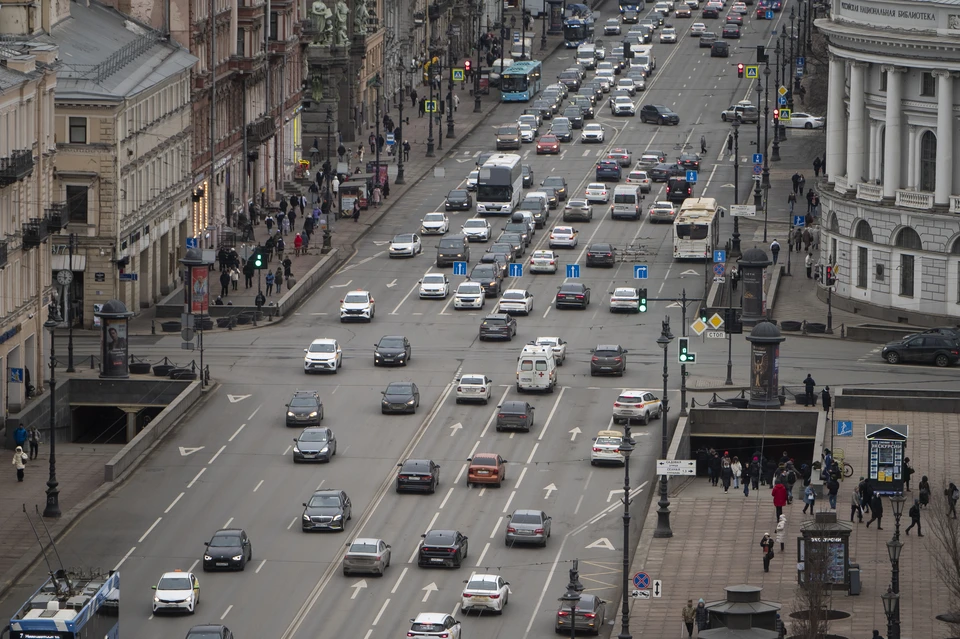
column 62, row 263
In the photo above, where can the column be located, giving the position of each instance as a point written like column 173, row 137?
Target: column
column 872, row 149
column 944, row 181
column 131, row 430
column 836, row 155
column 913, row 170
column 893, row 133
column 855, row 125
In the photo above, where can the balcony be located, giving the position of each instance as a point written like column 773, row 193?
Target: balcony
column 56, row 217
column 955, row 203
column 34, row 233
column 3, row 254
column 869, row 192
column 260, row 131
column 16, row 167
column 915, row 200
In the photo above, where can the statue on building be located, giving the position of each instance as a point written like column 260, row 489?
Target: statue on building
column 361, row 19
column 341, row 13
column 316, row 91
column 322, row 21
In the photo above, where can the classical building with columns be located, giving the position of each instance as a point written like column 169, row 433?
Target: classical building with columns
column 890, row 204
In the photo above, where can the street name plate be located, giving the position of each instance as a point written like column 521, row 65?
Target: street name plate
column 673, row 467
column 743, row 210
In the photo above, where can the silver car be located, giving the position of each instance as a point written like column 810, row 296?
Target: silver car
column 366, row 555
column 528, row 527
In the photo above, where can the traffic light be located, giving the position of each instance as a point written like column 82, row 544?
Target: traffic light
column 776, row 114
column 740, row 68
column 258, row 261
column 684, row 356
column 643, row 300
column 831, row 276
column 731, row 323
column 703, row 314
column 467, row 64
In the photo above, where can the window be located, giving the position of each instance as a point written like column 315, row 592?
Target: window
column 883, row 79
column 906, row 275
column 274, row 25
column 909, row 239
column 862, row 266
column 78, row 130
column 928, row 161
column 864, row 232
column 240, row 38
column 928, row 85
column 77, row 203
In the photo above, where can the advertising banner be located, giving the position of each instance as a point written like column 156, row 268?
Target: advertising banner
column 199, row 289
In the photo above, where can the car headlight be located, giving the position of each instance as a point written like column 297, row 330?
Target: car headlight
column 325, row 449
column 337, row 517
column 313, row 414
column 237, row 557
column 306, row 517
column 156, row 600
column 410, row 402
column 289, row 414
column 207, row 558
column 296, row 449
column 385, row 403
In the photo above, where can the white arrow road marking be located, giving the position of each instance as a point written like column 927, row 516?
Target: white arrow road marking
column 357, row 586
column 674, row 305
column 185, row 450
column 574, row 432
column 237, row 398
column 689, row 271
column 349, row 282
column 459, row 161
column 603, row 542
column 616, row 492
column 381, row 242
column 430, row 587
column 455, row 428
column 550, row 488
column 393, row 283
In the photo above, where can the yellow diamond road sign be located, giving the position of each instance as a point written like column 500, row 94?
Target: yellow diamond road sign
column 753, row 71
column 699, row 326
column 782, row 90
column 716, row 321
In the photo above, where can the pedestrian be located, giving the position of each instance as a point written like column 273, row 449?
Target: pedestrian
column 908, row 472
column 20, row 435
column 815, row 237
column 278, row 279
column 268, row 222
column 248, row 274
column 456, row 102
column 807, row 238
column 406, row 151
column 866, row 495
column 833, row 488
column 372, row 140
column 924, row 491
column 269, row 281
column 689, row 616
column 287, row 271
column 791, row 201
column 797, row 238
column 825, row 399
column 413, row 98
column 377, row 196
column 297, row 245
column 359, row 155
column 34, row 440
column 809, row 499
column 816, row 166
column 876, row 511
column 703, row 145
column 791, row 476
column 782, row 531
column 856, row 505
column 914, row 513
column 745, row 474
column 795, row 179
column 809, row 399
column 19, row 462
column 808, row 262
column 779, row 493
column 734, row 277
column 809, row 200
column 703, row 616
column 224, row 284
column 775, row 249
column 766, row 547
column 726, row 471
column 421, row 107
column 876, row 635
column 802, row 92
column 715, row 468
column 755, row 473
column 952, row 494
column 341, row 151
column 234, row 278
column 815, row 204
column 803, row 182
column 281, row 246
column 737, row 469
column 356, row 210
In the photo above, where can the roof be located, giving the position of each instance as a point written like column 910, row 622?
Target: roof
column 10, row 78
column 431, row 617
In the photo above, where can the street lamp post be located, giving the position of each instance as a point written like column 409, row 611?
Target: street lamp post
column 571, row 598
column 792, row 60
column 72, row 242
column 766, row 163
column 663, row 530
column 735, row 244
column 477, row 108
column 757, row 197
column 450, row 133
column 891, row 608
column 398, row 137
column 626, row 447
column 328, row 169
column 430, row 152
column 543, row 32
column 894, row 547
column 775, row 151
column 52, row 509
column 376, row 85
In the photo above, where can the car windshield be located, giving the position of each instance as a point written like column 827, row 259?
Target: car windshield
column 225, row 541
column 624, row 292
column 526, row 518
column 494, row 321
column 174, row 583
column 476, row 584
column 475, row 224
column 322, row 348
column 391, row 342
column 403, row 239
column 606, row 353
column 355, row 298
column 484, row 461
column 324, row 501
column 469, row 288
column 433, row 217
column 562, row 231
column 484, row 270
column 473, row 175
column 553, row 181
column 360, row 546
column 203, row 634
column 304, row 402
column 608, row 441
column 512, row 295
column 433, row 279
column 399, row 389
column 546, row 341
column 460, row 195
column 314, row 436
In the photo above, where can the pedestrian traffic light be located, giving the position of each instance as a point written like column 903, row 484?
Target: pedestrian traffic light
column 467, row 64
column 831, row 276
column 776, row 114
column 258, row 258
column 740, row 68
column 684, row 356
column 643, row 300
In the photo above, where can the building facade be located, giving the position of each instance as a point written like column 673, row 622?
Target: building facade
column 891, row 209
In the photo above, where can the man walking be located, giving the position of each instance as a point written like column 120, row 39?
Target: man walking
column 20, row 436
column 855, row 505
column 817, row 163
column 775, row 249
column 406, row 150
column 953, row 496
column 796, row 182
column 825, row 399
column 413, row 98
column 809, row 385
column 703, row 145
column 34, row 442
column 915, row 518
column 689, row 615
column 876, row 511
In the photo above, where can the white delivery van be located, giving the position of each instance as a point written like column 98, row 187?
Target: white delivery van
column 522, row 50
column 536, row 369
column 626, row 202
column 587, row 56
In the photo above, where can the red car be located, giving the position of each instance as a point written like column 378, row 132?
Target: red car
column 486, row 468
column 548, row 144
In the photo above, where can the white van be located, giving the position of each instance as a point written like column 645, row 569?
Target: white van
column 494, row 69
column 587, row 56
column 536, row 369
column 626, row 202
column 522, row 50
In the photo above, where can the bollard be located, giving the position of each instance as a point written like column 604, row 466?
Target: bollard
column 842, row 332
column 91, row 362
column 803, row 327
column 153, row 327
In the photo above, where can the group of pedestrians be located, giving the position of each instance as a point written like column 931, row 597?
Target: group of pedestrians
column 21, row 437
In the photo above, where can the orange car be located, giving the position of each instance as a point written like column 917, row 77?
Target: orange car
column 486, row 468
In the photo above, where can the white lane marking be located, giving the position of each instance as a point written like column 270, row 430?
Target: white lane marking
column 409, row 293
column 496, row 527
column 254, row 413
column 322, row 482
column 432, row 521
column 577, row 509
column 129, row 552
column 463, row 469
column 229, row 521
column 292, row 523
column 586, row 153
column 257, row 487
column 194, row 480
column 446, row 497
column 369, row 632
column 443, row 311
column 533, row 452
column 546, row 584
column 149, row 530
column 483, row 554
column 232, row 437
column 523, row 471
column 262, row 562
column 474, row 449
column 494, row 415
column 506, row 506
column 603, row 513
column 214, row 458
column 193, row 565
column 287, row 450
column 403, row 574
column 553, row 411
column 482, row 492
column 546, row 312
column 170, row 507
column 226, row 612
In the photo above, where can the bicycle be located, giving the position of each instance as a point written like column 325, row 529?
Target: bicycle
column 846, row 470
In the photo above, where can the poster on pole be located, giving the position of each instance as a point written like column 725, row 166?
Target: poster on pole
column 199, row 289
column 114, row 348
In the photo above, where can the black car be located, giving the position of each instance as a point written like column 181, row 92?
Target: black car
column 923, row 349
column 545, row 108
column 400, row 397
column 418, row 475
column 305, row 408
column 315, row 445
column 572, row 294
column 589, row 615
column 575, row 115
column 658, row 114
column 498, row 326
column 585, row 105
column 515, row 415
column 553, row 199
column 209, row 631
column 516, row 240
column 689, row 161
column 720, row 49
column 527, row 173
column 459, row 200
column 730, row 30
column 228, row 549
column 521, row 228
column 735, row 18
column 327, row 510
column 601, row 254
column 392, row 350
column 630, row 17
column 509, row 250
column 564, row 132
column 608, row 359
column 497, row 259
column 559, row 183
column 664, row 171
column 570, row 79
column 678, row 189
column 442, row 548
column 711, row 12
column 488, row 276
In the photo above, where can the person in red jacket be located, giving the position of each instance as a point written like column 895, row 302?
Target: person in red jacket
column 779, row 498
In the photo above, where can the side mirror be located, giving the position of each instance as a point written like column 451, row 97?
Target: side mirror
column 383, row 392
column 294, row 440
column 399, row 465
column 625, row 351
column 469, row 459
column 389, row 546
column 153, row 587
column 304, row 350
column 304, row 504
column 424, row 535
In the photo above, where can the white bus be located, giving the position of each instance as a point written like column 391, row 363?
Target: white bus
column 500, row 185
column 696, row 229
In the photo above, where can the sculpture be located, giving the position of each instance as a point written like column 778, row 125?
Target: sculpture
column 361, row 18
column 340, row 15
column 321, row 19
column 316, row 91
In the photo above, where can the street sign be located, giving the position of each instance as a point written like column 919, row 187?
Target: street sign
column 720, row 256
column 573, row 271
column 799, row 220
column 657, row 588
column 699, row 326
column 639, row 271
column 769, row 15
column 459, row 268
column 743, row 210
column 757, row 169
column 391, row 139
column 782, row 101
column 516, row 269
column 516, row 36
column 715, row 321
column 16, row 375
column 128, row 277
column 784, row 115
column 692, row 177
column 801, row 62
column 193, row 242
column 719, row 279
column 758, row 158
column 640, row 594
column 458, row 74
column 844, row 429
column 782, row 90
column 753, row 70
column 716, row 334
column 676, row 467
column 430, row 106
column 187, row 334
column 799, row 72
column 719, row 269
column 641, row 580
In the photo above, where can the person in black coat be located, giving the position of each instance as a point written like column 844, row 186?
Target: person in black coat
column 809, row 385
column 876, row 512
column 825, row 399
column 915, row 518
column 715, row 469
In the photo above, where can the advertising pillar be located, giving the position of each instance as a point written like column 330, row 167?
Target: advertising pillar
column 752, row 264
column 114, row 348
column 765, row 340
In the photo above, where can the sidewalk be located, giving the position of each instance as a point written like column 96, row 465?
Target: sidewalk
column 699, row 561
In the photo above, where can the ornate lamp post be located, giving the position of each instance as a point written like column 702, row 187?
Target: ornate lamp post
column 571, row 598
column 735, row 243
column 430, row 152
column 757, row 196
column 775, row 152
column 52, row 509
column 766, row 161
column 894, row 547
column 891, row 608
column 398, row 138
column 663, row 512
column 626, row 447
column 543, row 31
column 377, row 84
column 450, row 133
column 476, row 74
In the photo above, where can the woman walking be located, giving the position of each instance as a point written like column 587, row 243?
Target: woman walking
column 19, row 462
column 737, row 469
column 781, row 531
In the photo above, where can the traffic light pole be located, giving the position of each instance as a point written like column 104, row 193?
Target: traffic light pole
column 684, row 301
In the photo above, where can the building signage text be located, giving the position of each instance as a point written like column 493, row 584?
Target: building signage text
column 889, row 12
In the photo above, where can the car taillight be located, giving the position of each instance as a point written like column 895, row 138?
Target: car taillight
column 553, row 261
column 608, row 254
column 501, row 415
column 444, row 635
column 640, row 405
column 579, row 297
column 467, row 595
column 451, row 550
column 616, row 404
column 410, row 634
column 589, row 615
column 496, row 596
column 596, row 450
column 511, row 529
column 538, row 531
column 594, row 359
column 561, row 613
column 531, row 260
column 616, row 359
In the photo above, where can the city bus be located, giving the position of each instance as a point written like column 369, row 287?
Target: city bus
column 68, row 607
column 578, row 26
column 521, row 81
column 500, row 185
column 696, row 229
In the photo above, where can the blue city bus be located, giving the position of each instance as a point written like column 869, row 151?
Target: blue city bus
column 520, row 82
column 66, row 607
column 578, row 26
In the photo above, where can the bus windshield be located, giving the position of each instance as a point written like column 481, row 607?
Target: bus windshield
column 493, row 193
column 514, row 83
column 574, row 31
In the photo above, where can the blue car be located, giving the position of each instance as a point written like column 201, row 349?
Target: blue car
column 608, row 170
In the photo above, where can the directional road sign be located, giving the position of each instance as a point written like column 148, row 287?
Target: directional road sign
column 720, row 256
column 692, row 177
column 639, row 271
column 799, row 220
column 457, row 74
column 516, row 36
column 459, row 268
column 657, row 588
column 193, row 242
column 784, row 115
column 642, row 580
column 391, row 139
column 573, row 271
column 516, row 269
column 782, row 101
column 753, row 70
column 758, row 158
column 676, row 467
column 719, row 269
column 844, row 429
column 757, row 169
column 799, row 72
column 769, row 15
column 743, row 210
column 801, row 62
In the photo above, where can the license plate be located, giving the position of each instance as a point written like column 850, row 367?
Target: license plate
column 222, row 563
column 483, row 472
column 475, row 598
column 437, row 560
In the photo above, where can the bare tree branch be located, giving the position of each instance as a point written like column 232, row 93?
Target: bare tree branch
column 945, row 550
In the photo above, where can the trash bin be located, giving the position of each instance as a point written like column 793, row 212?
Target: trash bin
column 854, row 579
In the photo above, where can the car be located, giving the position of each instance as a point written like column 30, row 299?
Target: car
column 305, row 407
column 597, row 192
column 608, row 170
column 662, row 211
column 537, row 205
column 623, row 156
column 515, row 415
column 697, row 29
column 662, row 8
column 392, row 349
column 527, row 527
column 545, row 107
column 498, row 326
column 743, row 111
column 734, row 18
column 589, row 614
column 711, row 11
column 558, row 183
column 575, row 115
column 452, row 249
column 512, row 240
column 578, row 211
column 553, row 200
column 315, row 444
column 485, row 593
column 543, row 261
column 536, row 115
column 606, row 80
column 367, row 555
column 679, row 189
column 730, row 31
column 565, row 236
column 570, row 79
column 640, row 405
column 442, row 548
column 471, row 182
column 328, row 509
column 469, row 295
column 611, row 27
column 527, row 171
column 405, row 244
column 608, row 359
column 228, row 549
column 435, row 223
column 357, row 305
column 641, row 179
column 476, row 229
column 804, row 121
column 530, row 120
column 762, row 9
column 630, row 17
column 418, row 475
column 474, row 387
column 606, row 448
column 664, row 171
column 489, row 277
column 484, row 156
column 527, row 134
column 555, row 344
column 434, row 286
column 592, row 133
column 689, row 161
column 209, row 631
column 176, row 591
column 572, row 294
column 486, row 468
column 649, row 160
column 562, row 130
column 658, row 114
column 548, row 143
column 669, row 36
column 323, row 354
column 940, row 350
column 707, row 39
column 500, row 260
column 585, row 105
column 720, row 49
column 458, row 200
column 520, row 227
column 400, row 397
column 434, row 625
column 625, row 298
column 508, row 137
column 740, row 8
column 601, row 254
column 516, row 301
column 628, row 84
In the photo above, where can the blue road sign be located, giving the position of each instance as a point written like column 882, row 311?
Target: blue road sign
column 16, row 375
column 801, row 62
column 758, row 158
column 844, row 429
column 641, row 580
column 799, row 220
column 516, row 36
column 459, row 268
column 719, row 269
column 516, row 269
column 757, row 169
column 769, row 15
column 639, row 271
column 128, row 277
column 692, row 177
column 799, row 72
column 391, row 140
column 573, row 271
column 782, row 100
column 719, row 256
column 193, row 242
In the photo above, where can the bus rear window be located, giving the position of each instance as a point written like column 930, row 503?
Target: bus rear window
column 691, row 231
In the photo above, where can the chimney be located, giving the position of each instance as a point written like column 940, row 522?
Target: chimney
column 21, row 63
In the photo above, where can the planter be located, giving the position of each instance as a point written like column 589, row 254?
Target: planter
column 182, row 373
column 170, row 327
column 816, row 327
column 244, row 318
column 829, row 615
column 204, row 323
column 140, row 368
column 227, row 322
column 739, row 402
column 162, row 370
column 790, row 325
column 721, row 404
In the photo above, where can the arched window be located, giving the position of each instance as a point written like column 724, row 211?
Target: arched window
column 909, row 239
column 955, row 249
column 833, row 224
column 928, row 161
column 863, row 231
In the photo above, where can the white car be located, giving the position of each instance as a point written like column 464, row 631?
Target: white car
column 435, row 224
column 176, row 591
column 697, row 28
column 693, row 4
column 597, row 192
column 323, row 354
column 629, row 84
column 543, row 262
column 641, row 179
column 625, row 299
column 740, row 7
column 531, row 121
column 662, row 211
column 636, row 404
column 557, row 345
column 606, row 448
column 515, row 301
column 565, row 236
column 662, row 7
column 434, row 625
column 648, row 160
column 804, row 121
column 472, row 387
column 527, row 134
column 434, row 286
column 469, row 295
column 485, row 592
column 472, row 178
column 622, row 106
column 405, row 245
column 358, row 305
column 476, row 229
column 668, row 35
column 592, row 133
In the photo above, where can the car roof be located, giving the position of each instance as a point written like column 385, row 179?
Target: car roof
column 175, row 573
column 512, row 403
column 624, row 289
column 366, row 540
column 324, row 340
column 392, row 337
column 441, row 533
column 499, row 316
column 484, row 577
column 327, row 492
column 634, row 392
column 430, row 617
column 485, row 455
column 417, row 463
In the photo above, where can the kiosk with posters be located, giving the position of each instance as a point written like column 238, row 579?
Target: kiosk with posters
column 886, row 446
column 114, row 350
column 824, row 547
column 358, row 186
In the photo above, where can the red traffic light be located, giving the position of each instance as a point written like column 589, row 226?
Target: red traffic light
column 740, row 70
column 776, row 114
column 467, row 64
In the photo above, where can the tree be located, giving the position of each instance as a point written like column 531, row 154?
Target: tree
column 814, row 593
column 945, row 551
